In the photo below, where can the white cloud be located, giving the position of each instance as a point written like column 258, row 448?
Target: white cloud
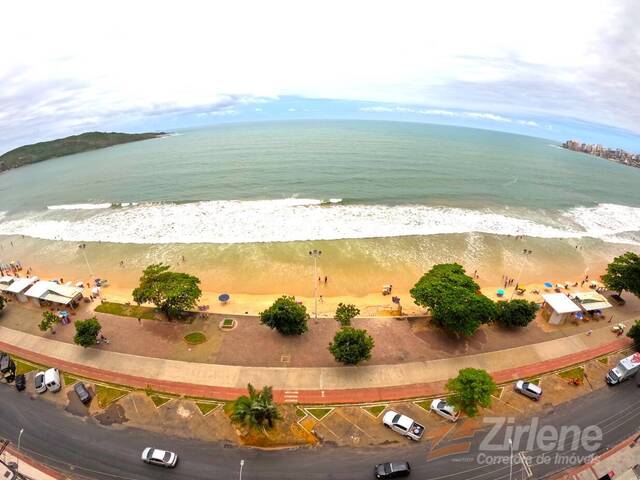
column 291, row 110
column 79, row 60
column 450, row 113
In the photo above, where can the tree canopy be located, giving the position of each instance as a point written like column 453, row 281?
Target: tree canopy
column 257, row 410
column 623, row 273
column 2, row 302
column 454, row 299
column 471, row 389
column 286, row 316
column 87, row 332
column 346, row 313
column 351, row 345
column 516, row 313
column 172, row 292
column 49, row 319
column 634, row 333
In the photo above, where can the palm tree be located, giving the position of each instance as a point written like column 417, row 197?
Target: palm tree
column 256, row 410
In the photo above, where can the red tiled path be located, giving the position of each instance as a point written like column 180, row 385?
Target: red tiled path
column 361, row 395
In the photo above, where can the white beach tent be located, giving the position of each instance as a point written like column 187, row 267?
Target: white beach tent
column 19, row 286
column 53, row 292
column 557, row 307
column 591, row 301
column 5, row 282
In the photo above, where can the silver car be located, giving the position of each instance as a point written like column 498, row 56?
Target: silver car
column 528, row 389
column 163, row 458
column 445, row 410
column 38, row 380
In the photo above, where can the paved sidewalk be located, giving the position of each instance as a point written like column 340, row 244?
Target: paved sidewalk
column 307, row 385
column 622, row 461
column 29, row 467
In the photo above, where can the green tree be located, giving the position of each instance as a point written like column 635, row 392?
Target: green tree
column 49, row 320
column 2, row 302
column 351, row 345
column 454, row 299
column 346, row 313
column 87, row 332
column 471, row 389
column 634, row 333
column 172, row 292
column 286, row 316
column 516, row 313
column 623, row 274
column 257, row 410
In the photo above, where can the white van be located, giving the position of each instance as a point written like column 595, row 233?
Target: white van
column 52, row 380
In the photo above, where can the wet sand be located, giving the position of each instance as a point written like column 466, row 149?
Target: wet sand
column 254, row 274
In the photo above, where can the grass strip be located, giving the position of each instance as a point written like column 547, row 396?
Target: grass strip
column 123, row 310
column 375, row 410
column 69, row 379
column 206, row 408
column 158, row 400
column 106, row 395
column 573, row 373
column 319, row 413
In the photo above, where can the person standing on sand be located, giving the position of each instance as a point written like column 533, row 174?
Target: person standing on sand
column 326, row 279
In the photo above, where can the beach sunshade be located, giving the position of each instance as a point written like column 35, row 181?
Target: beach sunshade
column 224, row 297
column 579, row 315
column 548, row 284
column 500, row 291
column 95, row 290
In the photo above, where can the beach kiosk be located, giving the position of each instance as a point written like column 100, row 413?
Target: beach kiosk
column 44, row 293
column 5, row 282
column 557, row 307
column 19, row 286
column 592, row 302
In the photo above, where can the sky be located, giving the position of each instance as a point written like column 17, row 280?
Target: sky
column 559, row 70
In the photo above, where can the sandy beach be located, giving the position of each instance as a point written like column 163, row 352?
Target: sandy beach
column 356, row 270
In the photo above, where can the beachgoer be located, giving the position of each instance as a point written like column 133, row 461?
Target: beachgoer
column 326, row 279
column 321, row 300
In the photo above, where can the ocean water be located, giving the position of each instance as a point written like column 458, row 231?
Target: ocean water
column 322, row 180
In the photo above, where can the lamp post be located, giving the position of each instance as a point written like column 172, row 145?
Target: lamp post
column 241, row 465
column 510, row 459
column 18, row 456
column 315, row 254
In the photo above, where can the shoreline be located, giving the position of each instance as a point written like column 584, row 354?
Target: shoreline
column 255, row 274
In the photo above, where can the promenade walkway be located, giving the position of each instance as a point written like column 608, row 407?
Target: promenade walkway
column 313, row 384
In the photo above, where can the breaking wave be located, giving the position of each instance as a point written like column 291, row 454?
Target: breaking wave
column 80, row 206
column 295, row 219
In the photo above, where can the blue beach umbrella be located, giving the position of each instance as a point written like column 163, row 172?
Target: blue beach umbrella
column 500, row 292
column 224, row 297
column 548, row 284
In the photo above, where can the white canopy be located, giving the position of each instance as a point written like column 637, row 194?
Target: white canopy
column 591, row 301
column 5, row 282
column 53, row 292
column 21, row 284
column 560, row 303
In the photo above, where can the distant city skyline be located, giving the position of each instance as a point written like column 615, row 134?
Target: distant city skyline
column 556, row 70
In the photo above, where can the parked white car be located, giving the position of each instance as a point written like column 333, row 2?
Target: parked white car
column 445, row 410
column 403, row 425
column 528, row 389
column 52, row 380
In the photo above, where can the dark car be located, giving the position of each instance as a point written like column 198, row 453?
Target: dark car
column 392, row 470
column 83, row 394
column 21, row 382
column 617, row 299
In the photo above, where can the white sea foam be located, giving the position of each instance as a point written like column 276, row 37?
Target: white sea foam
column 296, row 219
column 80, row 206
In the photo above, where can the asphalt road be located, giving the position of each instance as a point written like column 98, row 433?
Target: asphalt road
column 85, row 449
